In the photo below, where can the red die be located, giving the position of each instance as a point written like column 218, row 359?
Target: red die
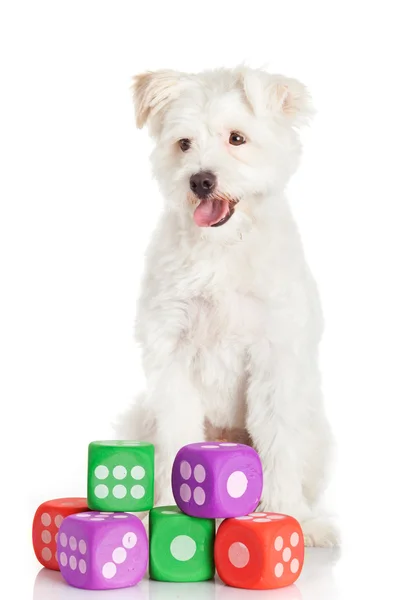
column 260, row 551
column 46, row 523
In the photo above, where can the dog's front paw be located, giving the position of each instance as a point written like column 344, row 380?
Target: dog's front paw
column 144, row 517
column 166, row 498
column 321, row 532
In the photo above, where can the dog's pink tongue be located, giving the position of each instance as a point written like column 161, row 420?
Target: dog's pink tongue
column 210, row 212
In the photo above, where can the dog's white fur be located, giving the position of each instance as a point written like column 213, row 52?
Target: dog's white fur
column 229, row 319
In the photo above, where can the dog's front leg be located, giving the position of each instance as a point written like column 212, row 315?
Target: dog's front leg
column 176, row 404
column 272, row 422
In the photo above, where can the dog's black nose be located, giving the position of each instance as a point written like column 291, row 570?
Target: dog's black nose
column 203, row 183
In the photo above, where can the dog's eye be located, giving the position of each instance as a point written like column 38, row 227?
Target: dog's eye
column 184, row 144
column 236, row 139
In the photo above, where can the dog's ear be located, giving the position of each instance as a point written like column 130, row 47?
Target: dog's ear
column 152, row 92
column 286, row 99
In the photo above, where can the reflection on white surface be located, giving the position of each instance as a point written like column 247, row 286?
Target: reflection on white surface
column 287, row 593
column 317, row 580
column 315, row 583
column 49, row 585
column 204, row 590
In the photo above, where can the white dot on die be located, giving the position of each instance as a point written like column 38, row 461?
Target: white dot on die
column 119, row 491
column 46, row 554
column 287, row 554
column 46, row 536
column 63, row 540
column 183, row 548
column 58, row 520
column 97, row 519
column 262, row 520
column 63, row 559
column 120, row 517
column 258, row 514
column 83, row 515
column 210, row 446
column 46, row 519
column 109, row 570
column 169, row 512
column 101, row 472
column 119, row 555
column 56, row 537
column 239, row 555
column 237, row 484
column 245, row 518
column 294, row 565
column 138, row 472
column 228, row 444
column 106, row 513
column 129, row 540
column 73, row 562
column 199, row 473
column 101, row 491
column 185, row 470
column 137, row 492
column 278, row 545
column 82, row 566
column 294, row 539
column 82, row 546
column 185, row 492
column 279, row 570
column 120, row 472
column 199, row 496
column 73, row 543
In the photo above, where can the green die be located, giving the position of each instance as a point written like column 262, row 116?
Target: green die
column 181, row 547
column 121, row 476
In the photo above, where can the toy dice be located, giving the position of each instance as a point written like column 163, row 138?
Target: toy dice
column 121, row 476
column 46, row 523
column 99, row 551
column 217, row 480
column 181, row 547
column 260, row 551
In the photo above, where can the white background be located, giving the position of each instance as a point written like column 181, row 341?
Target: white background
column 78, row 206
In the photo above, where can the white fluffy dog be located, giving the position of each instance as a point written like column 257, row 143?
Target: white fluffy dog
column 229, row 319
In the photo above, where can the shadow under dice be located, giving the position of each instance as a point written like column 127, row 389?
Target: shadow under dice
column 259, row 551
column 217, row 480
column 181, row 547
column 46, row 523
column 121, row 476
column 99, row 550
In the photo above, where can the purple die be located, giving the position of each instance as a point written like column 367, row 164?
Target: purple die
column 102, row 550
column 217, row 480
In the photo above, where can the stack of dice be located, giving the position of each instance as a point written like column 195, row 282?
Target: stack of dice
column 98, row 543
column 102, row 545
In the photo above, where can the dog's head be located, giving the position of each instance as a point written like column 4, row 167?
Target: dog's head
column 225, row 139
